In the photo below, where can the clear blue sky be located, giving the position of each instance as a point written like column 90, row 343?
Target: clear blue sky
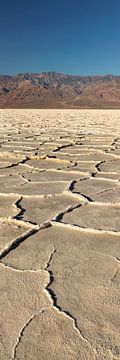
column 71, row 36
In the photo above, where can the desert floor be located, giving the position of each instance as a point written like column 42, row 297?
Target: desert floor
column 60, row 234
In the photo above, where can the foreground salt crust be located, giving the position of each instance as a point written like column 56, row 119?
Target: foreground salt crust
column 60, row 234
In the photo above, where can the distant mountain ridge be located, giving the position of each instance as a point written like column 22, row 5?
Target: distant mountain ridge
column 56, row 90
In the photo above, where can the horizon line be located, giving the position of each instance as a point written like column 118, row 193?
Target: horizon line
column 60, row 73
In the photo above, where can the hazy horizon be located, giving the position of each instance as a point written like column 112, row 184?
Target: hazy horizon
column 60, row 72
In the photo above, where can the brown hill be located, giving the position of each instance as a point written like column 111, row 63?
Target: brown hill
column 56, row 90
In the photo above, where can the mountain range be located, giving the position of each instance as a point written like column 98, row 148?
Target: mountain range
column 55, row 90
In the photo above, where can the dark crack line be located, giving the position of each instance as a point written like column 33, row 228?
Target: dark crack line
column 22, row 333
column 60, row 215
column 98, row 164
column 62, row 147
column 88, row 198
column 51, row 156
column 22, row 210
column 25, row 178
column 50, row 258
column 23, row 161
column 114, row 276
column 103, row 191
column 16, row 242
column 93, row 174
column 54, row 298
column 20, row 215
column 8, row 266
column 71, row 185
column 88, row 229
column 114, row 141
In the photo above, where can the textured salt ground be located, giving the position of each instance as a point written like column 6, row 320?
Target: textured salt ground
column 34, row 251
column 99, row 190
column 21, row 186
column 49, row 164
column 95, row 156
column 22, row 296
column 95, row 217
column 42, row 209
column 43, row 188
column 9, row 184
column 91, row 267
column 59, row 278
column 85, row 167
column 113, row 166
column 117, row 151
column 9, row 232
column 7, row 206
column 63, row 344
column 110, row 196
column 5, row 164
column 5, row 159
column 109, row 175
column 53, row 175
column 19, row 169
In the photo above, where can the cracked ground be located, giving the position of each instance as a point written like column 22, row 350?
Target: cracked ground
column 59, row 235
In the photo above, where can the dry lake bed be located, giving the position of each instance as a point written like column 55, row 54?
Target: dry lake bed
column 60, row 234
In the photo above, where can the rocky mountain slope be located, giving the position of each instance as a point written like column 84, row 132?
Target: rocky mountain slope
column 56, row 90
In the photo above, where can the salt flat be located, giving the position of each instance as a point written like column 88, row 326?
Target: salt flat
column 60, row 234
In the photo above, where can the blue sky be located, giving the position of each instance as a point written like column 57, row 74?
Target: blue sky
column 77, row 37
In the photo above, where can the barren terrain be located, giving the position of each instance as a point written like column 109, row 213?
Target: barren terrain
column 60, row 234
column 54, row 90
